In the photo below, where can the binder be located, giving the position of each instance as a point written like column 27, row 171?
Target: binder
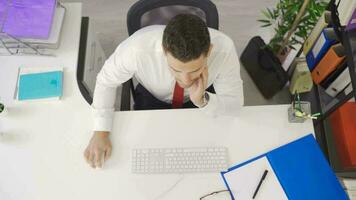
column 344, row 133
column 301, row 169
column 323, row 22
column 331, row 78
column 326, row 39
column 339, row 84
column 332, row 59
column 348, row 90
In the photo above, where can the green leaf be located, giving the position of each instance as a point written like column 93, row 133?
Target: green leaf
column 265, row 13
column 283, row 16
column 270, row 12
column 266, row 25
column 299, row 34
column 292, row 47
column 264, row 21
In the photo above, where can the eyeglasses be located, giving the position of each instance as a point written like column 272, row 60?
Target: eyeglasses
column 205, row 197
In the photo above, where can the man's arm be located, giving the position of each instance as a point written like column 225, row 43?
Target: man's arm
column 228, row 99
column 119, row 68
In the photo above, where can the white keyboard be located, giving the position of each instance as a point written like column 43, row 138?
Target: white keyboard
column 179, row 160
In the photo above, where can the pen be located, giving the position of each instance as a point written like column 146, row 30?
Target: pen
column 260, row 183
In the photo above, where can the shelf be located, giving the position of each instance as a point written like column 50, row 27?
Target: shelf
column 333, row 155
column 350, row 48
column 325, row 104
column 323, row 131
column 329, row 104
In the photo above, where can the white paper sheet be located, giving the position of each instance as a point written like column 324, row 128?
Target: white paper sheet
column 244, row 180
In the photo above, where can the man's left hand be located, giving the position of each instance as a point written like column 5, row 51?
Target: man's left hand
column 197, row 90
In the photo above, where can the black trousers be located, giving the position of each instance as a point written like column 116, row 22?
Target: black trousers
column 144, row 100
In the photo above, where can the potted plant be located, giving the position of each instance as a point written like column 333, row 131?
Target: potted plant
column 292, row 20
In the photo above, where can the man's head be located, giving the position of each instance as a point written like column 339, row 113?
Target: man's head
column 186, row 43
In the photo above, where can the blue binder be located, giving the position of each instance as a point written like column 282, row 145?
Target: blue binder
column 40, row 85
column 326, row 39
column 302, row 171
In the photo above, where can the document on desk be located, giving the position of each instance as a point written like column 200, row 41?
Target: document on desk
column 244, row 180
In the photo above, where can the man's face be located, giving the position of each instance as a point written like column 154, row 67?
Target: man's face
column 187, row 73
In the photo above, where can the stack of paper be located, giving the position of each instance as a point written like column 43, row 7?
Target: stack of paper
column 244, row 181
column 53, row 40
column 349, row 186
column 3, row 9
column 29, row 18
column 41, row 30
column 40, row 83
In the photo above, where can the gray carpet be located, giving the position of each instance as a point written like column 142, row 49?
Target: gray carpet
column 237, row 19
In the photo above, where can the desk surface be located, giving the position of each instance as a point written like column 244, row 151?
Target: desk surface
column 41, row 151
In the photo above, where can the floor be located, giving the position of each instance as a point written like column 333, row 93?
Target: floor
column 237, row 19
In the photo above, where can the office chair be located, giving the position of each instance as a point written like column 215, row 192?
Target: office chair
column 151, row 12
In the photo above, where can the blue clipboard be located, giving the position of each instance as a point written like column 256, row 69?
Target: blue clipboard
column 302, row 171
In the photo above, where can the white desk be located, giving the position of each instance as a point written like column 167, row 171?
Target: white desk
column 41, row 152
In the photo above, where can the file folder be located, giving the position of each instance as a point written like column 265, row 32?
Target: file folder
column 332, row 59
column 323, row 22
column 344, row 133
column 331, row 78
column 339, row 84
column 326, row 39
column 302, row 171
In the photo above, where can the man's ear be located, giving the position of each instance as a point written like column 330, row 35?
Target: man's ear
column 164, row 50
column 210, row 49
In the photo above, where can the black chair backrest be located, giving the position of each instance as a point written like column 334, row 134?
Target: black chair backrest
column 150, row 12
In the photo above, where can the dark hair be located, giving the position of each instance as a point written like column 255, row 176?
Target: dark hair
column 186, row 37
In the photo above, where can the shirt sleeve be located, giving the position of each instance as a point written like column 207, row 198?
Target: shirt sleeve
column 228, row 99
column 119, row 68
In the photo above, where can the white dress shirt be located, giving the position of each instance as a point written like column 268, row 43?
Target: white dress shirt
column 142, row 56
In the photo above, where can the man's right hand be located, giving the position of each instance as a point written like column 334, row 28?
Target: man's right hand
column 98, row 150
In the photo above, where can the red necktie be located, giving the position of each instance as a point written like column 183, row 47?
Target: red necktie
column 178, row 97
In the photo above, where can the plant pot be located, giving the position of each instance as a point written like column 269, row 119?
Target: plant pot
column 264, row 67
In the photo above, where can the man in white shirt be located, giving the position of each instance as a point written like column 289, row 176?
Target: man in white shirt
column 174, row 66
